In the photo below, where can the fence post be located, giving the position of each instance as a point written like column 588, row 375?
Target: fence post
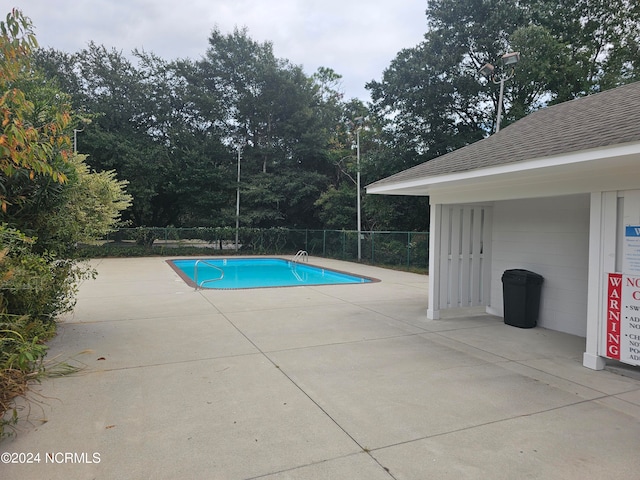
column 324, row 243
column 344, row 244
column 373, row 249
column 408, row 249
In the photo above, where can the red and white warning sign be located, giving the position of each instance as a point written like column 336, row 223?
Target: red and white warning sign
column 623, row 318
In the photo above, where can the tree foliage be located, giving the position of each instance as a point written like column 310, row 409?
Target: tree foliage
column 83, row 210
column 27, row 142
column 431, row 99
column 173, row 129
column 281, row 119
column 50, row 200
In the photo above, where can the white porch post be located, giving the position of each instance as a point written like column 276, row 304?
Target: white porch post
column 602, row 260
column 435, row 251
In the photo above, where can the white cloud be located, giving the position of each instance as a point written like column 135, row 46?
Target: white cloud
column 356, row 38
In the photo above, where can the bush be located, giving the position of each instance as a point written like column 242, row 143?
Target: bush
column 34, row 290
column 145, row 237
column 48, row 192
column 38, row 286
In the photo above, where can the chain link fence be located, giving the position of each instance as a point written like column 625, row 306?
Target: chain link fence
column 405, row 249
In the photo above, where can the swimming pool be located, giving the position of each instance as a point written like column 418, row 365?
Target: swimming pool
column 237, row 273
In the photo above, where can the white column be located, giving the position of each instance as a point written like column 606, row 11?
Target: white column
column 435, row 251
column 602, row 260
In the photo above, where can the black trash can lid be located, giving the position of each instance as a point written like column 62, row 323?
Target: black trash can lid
column 518, row 275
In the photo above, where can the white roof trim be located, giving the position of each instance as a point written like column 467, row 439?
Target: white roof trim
column 479, row 175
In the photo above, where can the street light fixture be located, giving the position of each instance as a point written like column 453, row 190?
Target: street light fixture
column 507, row 71
column 76, row 131
column 510, row 58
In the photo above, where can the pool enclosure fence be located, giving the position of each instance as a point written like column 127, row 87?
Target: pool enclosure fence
column 407, row 249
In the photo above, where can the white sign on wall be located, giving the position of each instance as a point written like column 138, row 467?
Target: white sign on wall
column 631, row 257
column 630, row 321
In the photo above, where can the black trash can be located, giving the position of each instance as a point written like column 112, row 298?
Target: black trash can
column 521, row 294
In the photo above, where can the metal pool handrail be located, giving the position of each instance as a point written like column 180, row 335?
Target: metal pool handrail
column 302, row 255
column 195, row 273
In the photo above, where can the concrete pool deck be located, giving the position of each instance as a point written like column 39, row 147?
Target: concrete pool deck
column 325, row 382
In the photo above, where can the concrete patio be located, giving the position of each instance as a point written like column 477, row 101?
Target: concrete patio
column 327, row 382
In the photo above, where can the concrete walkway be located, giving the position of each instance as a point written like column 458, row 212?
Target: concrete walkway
column 329, row 382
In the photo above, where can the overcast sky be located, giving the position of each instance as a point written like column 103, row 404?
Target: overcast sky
column 356, row 38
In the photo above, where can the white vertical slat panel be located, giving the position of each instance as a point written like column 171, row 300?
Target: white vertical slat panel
column 464, row 266
column 445, row 254
column 466, row 225
column 485, row 258
column 454, row 258
column 476, row 252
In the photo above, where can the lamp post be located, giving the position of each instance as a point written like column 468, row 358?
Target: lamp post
column 508, row 60
column 75, row 139
column 85, row 121
column 358, row 122
column 238, row 199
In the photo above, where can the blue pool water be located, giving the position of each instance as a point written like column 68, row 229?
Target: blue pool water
column 236, row 273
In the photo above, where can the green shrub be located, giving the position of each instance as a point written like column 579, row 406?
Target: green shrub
column 34, row 290
column 145, row 237
column 22, row 354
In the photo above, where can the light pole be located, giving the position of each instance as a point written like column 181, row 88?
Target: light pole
column 488, row 71
column 238, row 199
column 75, row 139
column 358, row 122
column 85, row 121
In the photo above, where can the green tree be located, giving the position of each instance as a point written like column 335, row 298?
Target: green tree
column 283, row 120
column 48, row 193
column 338, row 207
column 48, row 209
column 600, row 38
column 59, row 215
column 430, row 100
column 26, row 147
column 84, row 210
column 151, row 125
column 173, row 129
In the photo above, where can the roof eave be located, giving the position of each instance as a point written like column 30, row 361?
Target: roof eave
column 423, row 186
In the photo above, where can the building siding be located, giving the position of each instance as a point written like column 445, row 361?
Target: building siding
column 548, row 236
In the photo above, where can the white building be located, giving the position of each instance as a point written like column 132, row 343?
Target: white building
column 551, row 193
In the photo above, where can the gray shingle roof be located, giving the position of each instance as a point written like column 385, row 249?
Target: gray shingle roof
column 599, row 120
